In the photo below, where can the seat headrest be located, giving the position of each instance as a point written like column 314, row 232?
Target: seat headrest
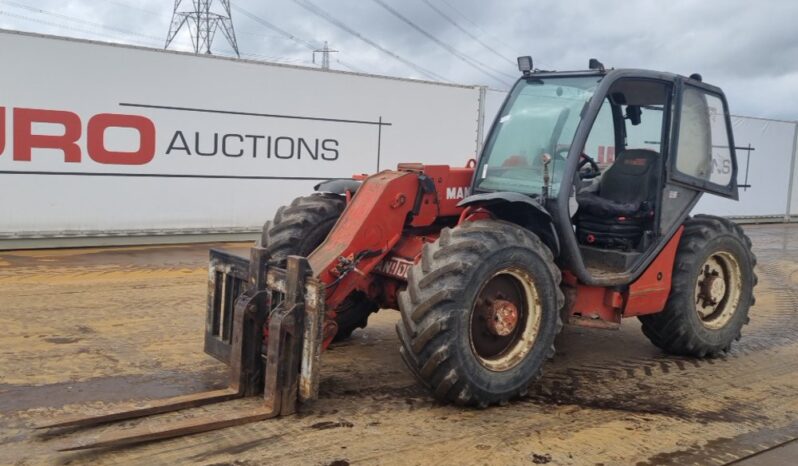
column 635, row 161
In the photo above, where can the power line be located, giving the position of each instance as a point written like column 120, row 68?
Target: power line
column 239, row 32
column 326, row 16
column 462, row 15
column 152, row 44
column 77, row 20
column 274, row 27
column 350, row 67
column 72, row 28
column 305, row 43
column 155, row 43
column 472, row 62
column 466, row 31
column 127, row 5
column 465, row 17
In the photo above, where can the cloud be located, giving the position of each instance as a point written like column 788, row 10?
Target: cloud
column 750, row 49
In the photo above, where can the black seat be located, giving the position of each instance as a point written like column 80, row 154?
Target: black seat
column 622, row 208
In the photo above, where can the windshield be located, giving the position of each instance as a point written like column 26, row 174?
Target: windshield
column 540, row 117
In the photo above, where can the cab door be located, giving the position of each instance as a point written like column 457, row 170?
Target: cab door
column 703, row 154
column 702, row 157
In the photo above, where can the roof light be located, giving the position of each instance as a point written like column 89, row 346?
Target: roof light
column 525, row 64
column 594, row 64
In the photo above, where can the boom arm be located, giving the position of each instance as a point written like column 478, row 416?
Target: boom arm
column 374, row 222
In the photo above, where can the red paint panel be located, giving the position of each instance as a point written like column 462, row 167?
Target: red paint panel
column 451, row 186
column 373, row 220
column 649, row 293
column 597, row 303
column 591, row 306
column 409, row 247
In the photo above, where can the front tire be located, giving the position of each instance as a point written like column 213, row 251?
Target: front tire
column 480, row 313
column 298, row 229
column 711, row 290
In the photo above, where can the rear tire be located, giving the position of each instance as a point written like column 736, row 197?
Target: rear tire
column 452, row 295
column 711, row 290
column 298, row 229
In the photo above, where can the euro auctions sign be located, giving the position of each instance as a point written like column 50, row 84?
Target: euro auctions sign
column 111, row 116
column 125, row 139
column 100, row 139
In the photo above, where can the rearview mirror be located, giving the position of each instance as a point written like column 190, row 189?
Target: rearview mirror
column 633, row 114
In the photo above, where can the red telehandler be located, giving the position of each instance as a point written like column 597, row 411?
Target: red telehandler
column 577, row 211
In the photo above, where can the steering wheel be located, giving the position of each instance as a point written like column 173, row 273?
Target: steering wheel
column 592, row 171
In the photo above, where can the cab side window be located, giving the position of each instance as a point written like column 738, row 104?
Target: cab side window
column 703, row 149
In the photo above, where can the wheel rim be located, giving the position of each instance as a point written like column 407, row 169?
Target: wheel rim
column 505, row 319
column 718, row 289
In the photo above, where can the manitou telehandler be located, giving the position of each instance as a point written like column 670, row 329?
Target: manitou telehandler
column 576, row 211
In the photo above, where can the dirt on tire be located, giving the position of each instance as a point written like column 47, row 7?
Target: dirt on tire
column 439, row 299
column 678, row 329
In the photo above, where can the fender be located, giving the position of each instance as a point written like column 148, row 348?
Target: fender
column 521, row 210
column 338, row 186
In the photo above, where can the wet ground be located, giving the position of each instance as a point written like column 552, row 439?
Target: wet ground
column 88, row 329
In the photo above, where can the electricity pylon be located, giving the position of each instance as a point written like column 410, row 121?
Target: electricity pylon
column 202, row 24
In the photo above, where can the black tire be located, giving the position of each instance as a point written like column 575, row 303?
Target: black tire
column 298, row 229
column 679, row 328
column 438, row 304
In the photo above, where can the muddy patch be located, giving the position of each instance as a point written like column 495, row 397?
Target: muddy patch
column 62, row 340
column 109, row 389
column 720, row 450
column 236, row 449
column 85, row 329
column 646, row 401
column 324, row 425
column 333, row 387
column 339, row 463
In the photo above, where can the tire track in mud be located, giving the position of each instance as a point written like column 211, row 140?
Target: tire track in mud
column 724, row 450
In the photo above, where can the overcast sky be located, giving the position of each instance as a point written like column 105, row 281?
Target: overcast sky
column 749, row 48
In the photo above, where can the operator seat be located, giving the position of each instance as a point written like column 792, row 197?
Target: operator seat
column 617, row 214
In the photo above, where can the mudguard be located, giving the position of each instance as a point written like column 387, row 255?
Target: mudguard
column 519, row 209
column 338, row 186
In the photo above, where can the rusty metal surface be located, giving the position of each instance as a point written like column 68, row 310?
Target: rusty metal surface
column 110, row 327
column 146, row 408
column 593, row 322
column 120, row 438
column 312, row 341
column 227, row 278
